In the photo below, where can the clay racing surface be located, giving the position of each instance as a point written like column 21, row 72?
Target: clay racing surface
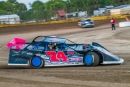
column 117, row 42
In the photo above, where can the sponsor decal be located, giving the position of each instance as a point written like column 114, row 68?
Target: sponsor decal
column 54, row 39
column 70, row 52
column 15, row 55
column 77, row 63
column 62, row 63
column 45, row 57
column 19, row 59
column 15, row 51
column 29, row 53
column 76, row 59
column 38, row 54
column 47, row 61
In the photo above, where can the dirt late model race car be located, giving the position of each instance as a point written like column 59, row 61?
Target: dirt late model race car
column 46, row 51
column 86, row 23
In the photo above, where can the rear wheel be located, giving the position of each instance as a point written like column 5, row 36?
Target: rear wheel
column 36, row 62
column 91, row 59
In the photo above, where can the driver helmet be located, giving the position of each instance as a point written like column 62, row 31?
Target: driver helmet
column 52, row 45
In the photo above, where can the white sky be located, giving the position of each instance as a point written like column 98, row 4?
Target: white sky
column 27, row 1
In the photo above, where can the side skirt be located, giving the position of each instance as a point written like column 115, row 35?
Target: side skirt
column 9, row 64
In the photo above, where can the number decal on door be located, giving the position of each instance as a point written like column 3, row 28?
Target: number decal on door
column 56, row 57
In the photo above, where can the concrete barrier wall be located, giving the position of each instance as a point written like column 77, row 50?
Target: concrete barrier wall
column 124, row 24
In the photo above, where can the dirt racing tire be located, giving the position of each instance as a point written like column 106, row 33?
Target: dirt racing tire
column 36, row 62
column 91, row 59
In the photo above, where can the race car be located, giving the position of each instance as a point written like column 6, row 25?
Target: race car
column 45, row 51
column 86, row 23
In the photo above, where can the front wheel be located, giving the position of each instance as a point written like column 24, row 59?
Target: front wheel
column 91, row 59
column 36, row 62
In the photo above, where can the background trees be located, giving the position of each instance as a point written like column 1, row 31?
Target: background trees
column 40, row 11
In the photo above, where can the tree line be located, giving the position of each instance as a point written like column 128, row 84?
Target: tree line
column 43, row 11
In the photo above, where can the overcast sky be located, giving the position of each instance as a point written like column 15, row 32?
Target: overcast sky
column 27, row 1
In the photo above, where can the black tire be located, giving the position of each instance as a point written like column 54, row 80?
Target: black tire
column 94, row 61
column 36, row 62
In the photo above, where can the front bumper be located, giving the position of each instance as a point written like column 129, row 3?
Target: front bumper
column 86, row 25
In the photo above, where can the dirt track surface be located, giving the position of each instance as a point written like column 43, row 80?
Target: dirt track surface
column 40, row 27
column 117, row 42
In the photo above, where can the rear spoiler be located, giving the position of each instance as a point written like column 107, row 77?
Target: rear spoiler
column 16, row 43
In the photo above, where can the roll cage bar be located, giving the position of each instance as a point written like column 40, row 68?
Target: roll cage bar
column 51, row 37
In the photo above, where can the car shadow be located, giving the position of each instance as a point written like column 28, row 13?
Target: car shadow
column 27, row 67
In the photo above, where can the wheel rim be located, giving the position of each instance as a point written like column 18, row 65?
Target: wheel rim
column 36, row 61
column 89, row 59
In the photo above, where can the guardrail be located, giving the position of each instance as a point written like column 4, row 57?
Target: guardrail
column 65, row 21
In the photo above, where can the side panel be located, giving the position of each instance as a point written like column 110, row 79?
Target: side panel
column 18, row 57
column 60, row 58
